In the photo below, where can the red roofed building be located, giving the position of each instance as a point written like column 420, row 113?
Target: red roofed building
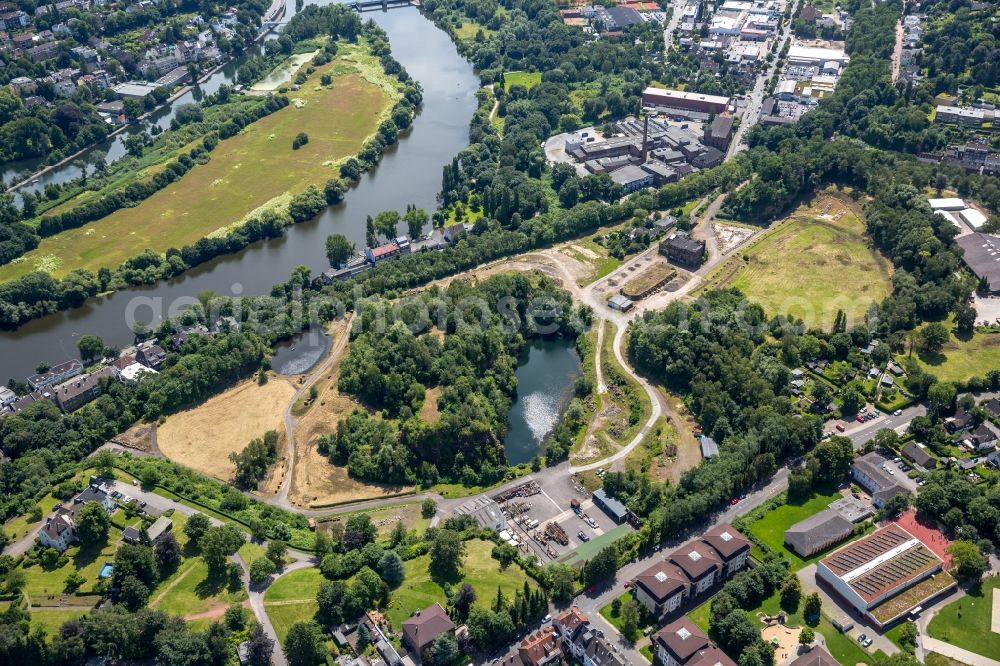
column 683, row 643
column 540, row 648
column 382, row 252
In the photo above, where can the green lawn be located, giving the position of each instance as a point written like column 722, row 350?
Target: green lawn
column 843, row 648
column 962, row 359
column 251, row 551
column 15, row 528
column 45, row 587
column 299, row 585
column 283, row 616
column 479, row 570
column 469, row 28
column 527, row 79
column 587, row 550
column 191, row 591
column 771, row 528
column 255, row 168
column 292, row 598
column 831, row 262
column 51, row 620
column 966, row 621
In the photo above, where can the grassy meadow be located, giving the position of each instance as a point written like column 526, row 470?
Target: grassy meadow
column 245, row 172
column 810, row 265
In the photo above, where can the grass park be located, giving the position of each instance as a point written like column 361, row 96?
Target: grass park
column 527, row 79
column 843, row 648
column 961, row 359
column 242, row 175
column 292, row 598
column 823, row 250
column 967, row 622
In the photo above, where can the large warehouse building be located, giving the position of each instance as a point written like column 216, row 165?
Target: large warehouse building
column 684, row 100
column 981, row 253
column 885, row 575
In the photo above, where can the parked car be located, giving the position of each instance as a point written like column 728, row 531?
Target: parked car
column 546, row 619
column 868, row 642
column 583, row 536
column 840, row 427
column 862, row 638
column 898, row 412
column 628, row 584
column 734, row 501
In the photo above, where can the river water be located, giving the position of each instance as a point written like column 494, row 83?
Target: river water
column 408, row 173
column 545, row 373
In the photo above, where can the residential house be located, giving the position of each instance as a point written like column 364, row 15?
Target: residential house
column 78, row 391
column 160, row 526
column 59, row 529
column 23, row 85
column 992, row 407
column 870, row 472
column 570, row 625
column 680, row 643
column 178, row 339
column 816, row 656
column 983, row 438
column 541, row 648
column 917, row 454
column 962, row 420
column 732, row 548
column 381, row 253
column 7, row 397
column 56, row 374
column 701, row 565
column 421, row 628
column 661, row 588
column 152, row 356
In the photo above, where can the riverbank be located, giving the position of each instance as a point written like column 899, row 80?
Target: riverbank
column 275, row 12
column 257, row 168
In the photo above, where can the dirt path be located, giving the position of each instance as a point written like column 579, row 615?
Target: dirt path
column 213, row 613
column 170, row 586
column 281, row 499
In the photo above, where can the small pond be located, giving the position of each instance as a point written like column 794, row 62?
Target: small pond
column 546, row 373
column 301, row 353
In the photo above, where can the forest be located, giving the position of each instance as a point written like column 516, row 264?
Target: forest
column 393, row 362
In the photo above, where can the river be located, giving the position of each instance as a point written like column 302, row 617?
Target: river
column 545, row 373
column 409, row 173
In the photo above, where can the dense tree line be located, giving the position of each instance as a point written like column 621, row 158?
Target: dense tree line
column 713, row 352
column 391, row 369
column 254, row 460
column 729, row 621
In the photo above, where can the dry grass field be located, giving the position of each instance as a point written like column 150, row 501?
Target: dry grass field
column 203, row 437
column 246, row 172
column 815, row 262
column 316, row 480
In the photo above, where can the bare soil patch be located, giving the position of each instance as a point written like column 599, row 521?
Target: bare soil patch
column 316, row 480
column 203, row 437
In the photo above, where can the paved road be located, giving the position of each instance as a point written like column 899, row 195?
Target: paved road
column 756, row 98
column 675, row 19
column 860, row 433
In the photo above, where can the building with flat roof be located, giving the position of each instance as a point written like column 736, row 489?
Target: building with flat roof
column 815, row 56
column 981, row 253
column 873, row 573
column 960, row 115
column 610, row 506
column 134, row 89
column 684, row 99
column 973, row 218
